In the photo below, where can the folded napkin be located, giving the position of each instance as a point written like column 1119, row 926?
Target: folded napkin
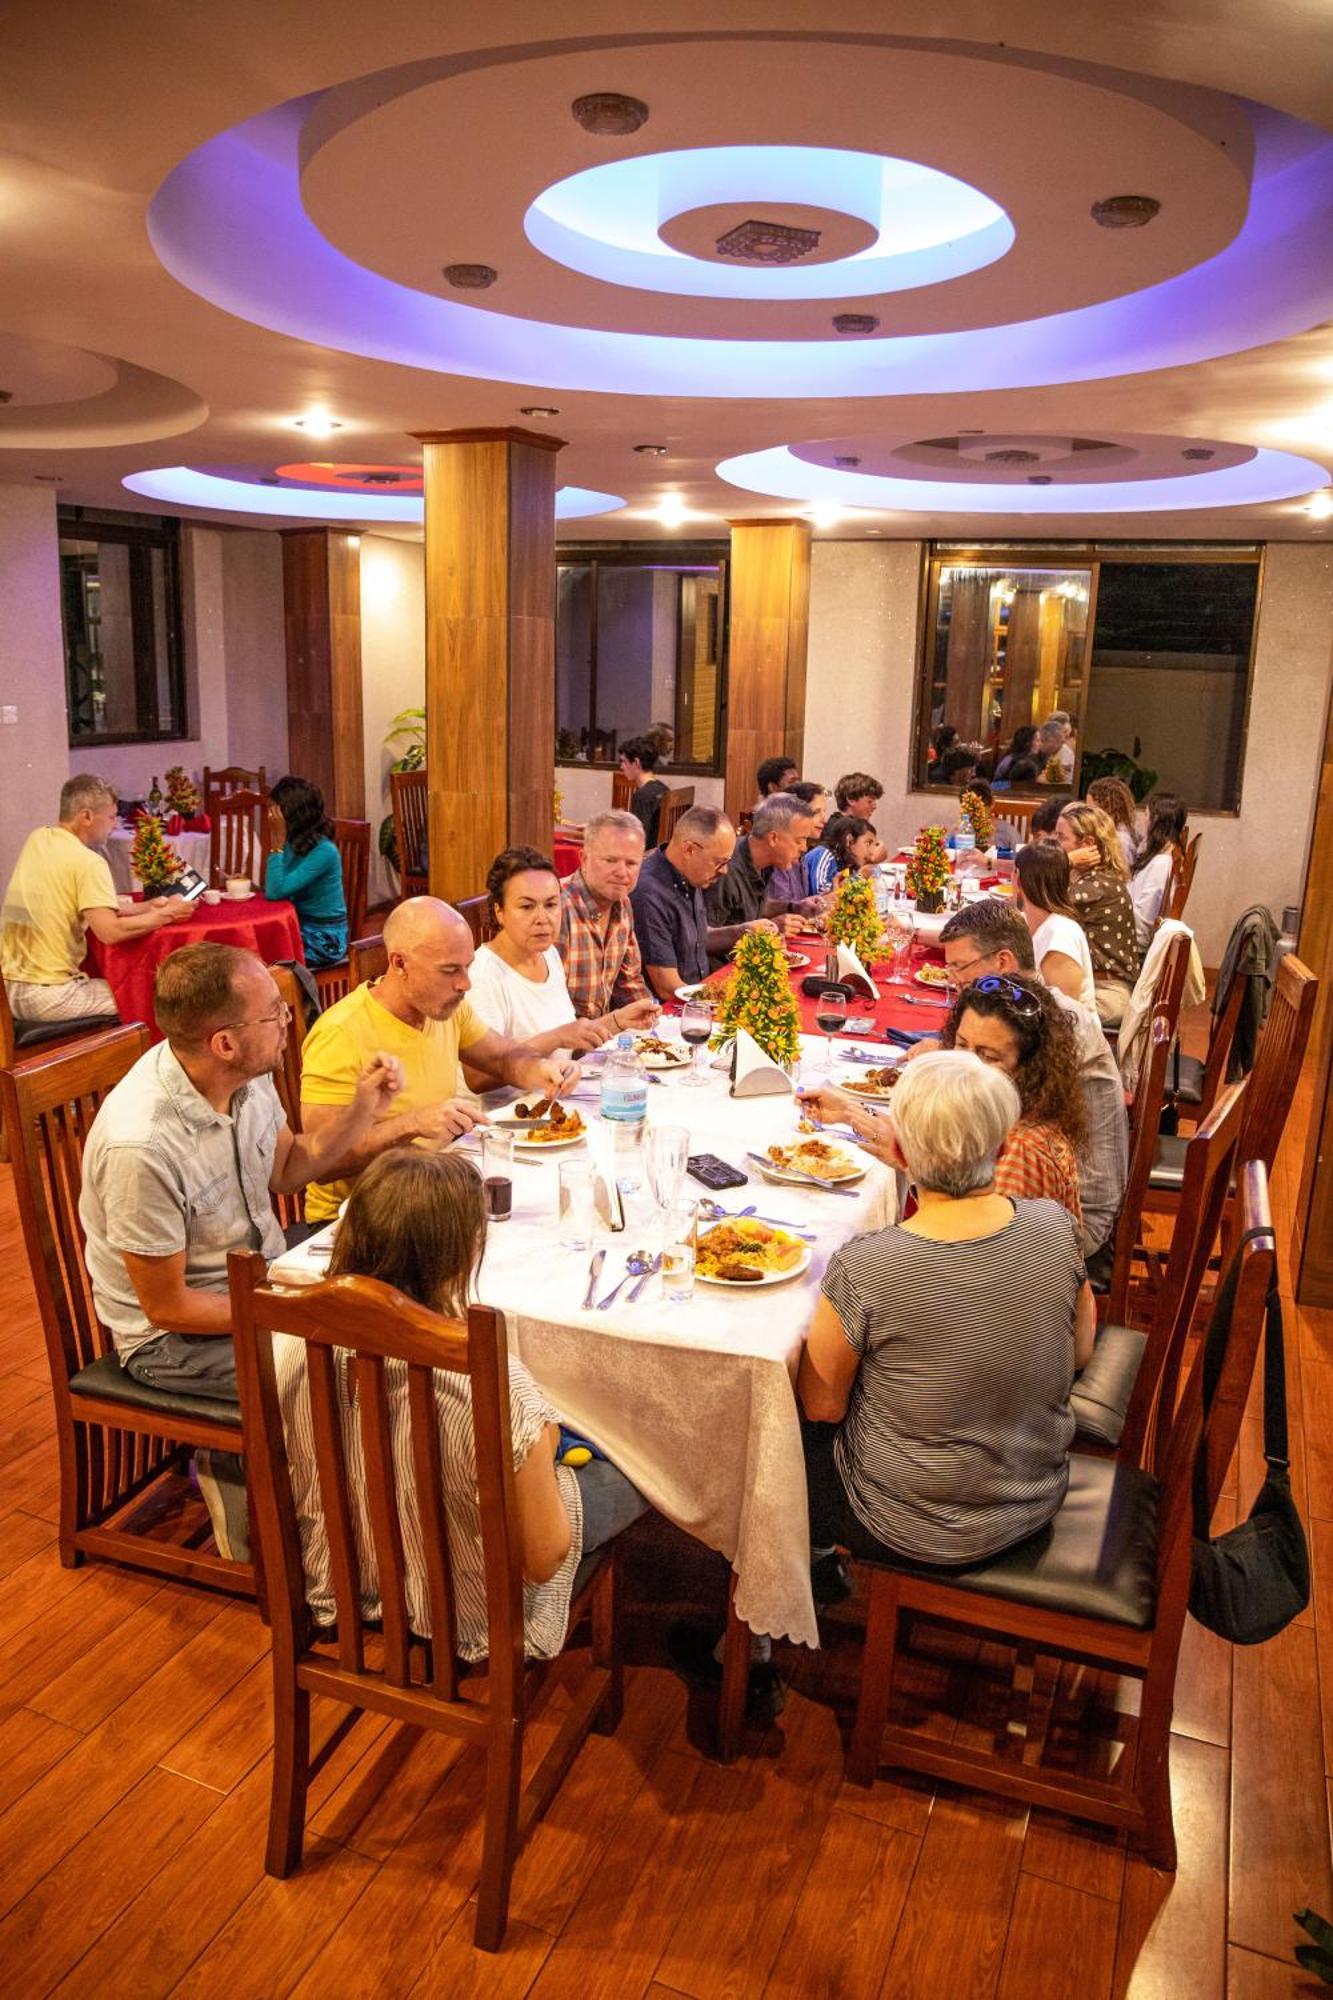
column 852, row 973
column 754, row 1072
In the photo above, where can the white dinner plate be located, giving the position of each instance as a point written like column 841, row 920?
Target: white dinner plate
column 769, row 1278
column 935, row 985
column 508, row 1115
column 771, row 1171
column 795, row 960
column 870, row 1096
column 694, row 992
column 671, row 1060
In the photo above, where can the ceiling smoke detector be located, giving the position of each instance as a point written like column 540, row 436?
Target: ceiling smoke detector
column 758, row 242
column 651, row 450
column 608, row 114
column 470, row 277
column 854, row 323
column 848, row 462
column 1125, row 211
column 538, row 410
column 1013, row 455
column 1200, row 451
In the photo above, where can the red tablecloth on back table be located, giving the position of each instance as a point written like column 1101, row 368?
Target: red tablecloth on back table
column 920, row 1014
column 268, row 929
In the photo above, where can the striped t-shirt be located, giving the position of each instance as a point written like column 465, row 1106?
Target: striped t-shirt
column 545, row 1605
column 957, row 1434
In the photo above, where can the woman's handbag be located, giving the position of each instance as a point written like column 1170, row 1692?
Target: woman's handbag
column 1249, row 1584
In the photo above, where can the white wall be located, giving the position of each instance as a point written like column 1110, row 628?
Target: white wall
column 34, row 751
column 861, row 680
column 393, row 667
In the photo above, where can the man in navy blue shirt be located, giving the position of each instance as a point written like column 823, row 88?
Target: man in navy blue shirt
column 669, row 917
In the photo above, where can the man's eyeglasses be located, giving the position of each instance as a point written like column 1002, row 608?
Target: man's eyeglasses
column 1024, row 1002
column 282, row 1013
column 955, row 972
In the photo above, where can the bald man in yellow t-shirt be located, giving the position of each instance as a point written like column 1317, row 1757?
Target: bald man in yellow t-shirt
column 418, row 1013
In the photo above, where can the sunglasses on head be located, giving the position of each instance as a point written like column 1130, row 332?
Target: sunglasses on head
column 1024, row 1002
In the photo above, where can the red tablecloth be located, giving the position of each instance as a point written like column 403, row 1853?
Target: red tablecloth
column 268, row 929
column 901, row 1004
column 567, row 856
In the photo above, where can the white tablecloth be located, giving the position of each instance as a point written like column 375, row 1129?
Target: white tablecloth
column 193, row 849
column 694, row 1402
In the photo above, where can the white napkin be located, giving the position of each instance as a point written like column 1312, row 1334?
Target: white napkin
column 756, row 1074
column 852, row 973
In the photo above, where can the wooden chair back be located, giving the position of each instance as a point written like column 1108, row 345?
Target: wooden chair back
column 1210, row 1160
column 1018, row 812
column 8, row 1046
column 410, row 796
column 351, row 837
column 237, row 842
column 622, row 791
column 1283, row 1040
column 367, row 959
column 1182, row 877
column 232, row 778
column 287, row 1076
column 1145, row 1117
column 672, row 807
column 479, row 917
column 364, row 1344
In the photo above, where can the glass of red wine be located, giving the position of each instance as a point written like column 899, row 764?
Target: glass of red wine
column 696, row 1026
column 497, row 1172
column 830, row 1016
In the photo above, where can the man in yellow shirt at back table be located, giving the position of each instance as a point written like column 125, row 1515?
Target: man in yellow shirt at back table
column 418, row 1012
column 59, row 891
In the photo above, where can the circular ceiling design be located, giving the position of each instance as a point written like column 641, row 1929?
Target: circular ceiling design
column 250, row 491
column 52, row 396
column 331, row 218
column 1126, row 473
column 610, row 222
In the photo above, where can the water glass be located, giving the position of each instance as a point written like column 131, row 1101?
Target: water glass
column 678, row 1240
column 668, row 1149
column 497, row 1172
column 578, row 1207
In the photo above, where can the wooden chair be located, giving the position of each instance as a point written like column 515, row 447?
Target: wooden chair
column 21, row 1040
column 409, row 1676
column 622, row 791
column 232, row 778
column 1182, row 878
column 1105, row 1585
column 1018, row 812
column 1195, row 1081
column 479, row 916
column 1145, row 1119
column 367, row 959
column 117, row 1438
column 410, row 797
column 238, row 843
column 351, row 837
column 672, row 807
column 1114, row 1396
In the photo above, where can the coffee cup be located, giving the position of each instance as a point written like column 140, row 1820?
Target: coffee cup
column 238, row 885
column 211, row 896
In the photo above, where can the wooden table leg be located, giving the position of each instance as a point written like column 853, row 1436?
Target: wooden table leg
column 735, row 1681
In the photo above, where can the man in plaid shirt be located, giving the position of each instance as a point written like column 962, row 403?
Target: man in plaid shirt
column 603, row 966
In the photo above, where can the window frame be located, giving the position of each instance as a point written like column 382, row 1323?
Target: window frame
column 937, row 555
column 148, row 534
column 646, row 555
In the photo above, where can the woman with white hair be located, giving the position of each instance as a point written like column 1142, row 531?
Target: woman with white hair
column 936, row 1374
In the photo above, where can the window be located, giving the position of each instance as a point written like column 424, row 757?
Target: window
column 1146, row 651
column 120, row 603
column 639, row 640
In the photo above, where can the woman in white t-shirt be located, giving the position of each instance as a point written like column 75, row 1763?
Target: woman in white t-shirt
column 1058, row 938
column 518, row 983
column 1151, row 874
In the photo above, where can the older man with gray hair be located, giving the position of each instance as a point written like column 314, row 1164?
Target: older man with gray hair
column 738, row 901
column 603, row 966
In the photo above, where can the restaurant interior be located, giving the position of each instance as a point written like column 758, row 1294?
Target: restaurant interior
column 504, row 427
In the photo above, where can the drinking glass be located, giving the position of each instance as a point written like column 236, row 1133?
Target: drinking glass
column 667, row 1152
column 899, row 931
column 497, row 1171
column 830, row 1015
column 696, row 1028
column 578, row 1207
column 679, row 1235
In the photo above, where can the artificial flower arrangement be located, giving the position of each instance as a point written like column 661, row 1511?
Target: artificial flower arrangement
column 182, row 792
column 758, row 998
column 155, row 864
column 928, row 869
column 853, row 919
column 980, row 818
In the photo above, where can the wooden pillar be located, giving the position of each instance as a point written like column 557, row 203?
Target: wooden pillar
column 490, row 649
column 321, row 592
column 1312, row 1243
column 769, row 585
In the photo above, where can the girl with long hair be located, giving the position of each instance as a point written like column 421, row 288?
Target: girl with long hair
column 1099, row 891
column 1150, row 878
column 1058, row 937
column 305, row 868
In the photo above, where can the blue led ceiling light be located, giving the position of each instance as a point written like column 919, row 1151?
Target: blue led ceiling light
column 183, row 486
column 1265, row 475
column 929, row 226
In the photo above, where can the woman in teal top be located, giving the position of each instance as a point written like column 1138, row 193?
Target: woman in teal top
column 307, row 869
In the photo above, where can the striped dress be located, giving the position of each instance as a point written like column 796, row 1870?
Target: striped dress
column 956, row 1439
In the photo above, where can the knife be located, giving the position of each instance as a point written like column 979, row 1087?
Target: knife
column 795, row 1173
column 594, row 1273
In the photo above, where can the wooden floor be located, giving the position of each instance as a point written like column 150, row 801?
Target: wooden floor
column 134, row 1762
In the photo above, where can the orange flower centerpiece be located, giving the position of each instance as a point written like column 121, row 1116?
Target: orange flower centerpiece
column 979, row 817
column 155, row 864
column 854, row 920
column 928, row 869
column 758, row 998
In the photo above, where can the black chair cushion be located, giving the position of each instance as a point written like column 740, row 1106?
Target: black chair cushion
column 1168, row 1167
column 28, row 1034
column 1101, row 1393
column 106, row 1378
column 1096, row 1559
column 1187, row 1083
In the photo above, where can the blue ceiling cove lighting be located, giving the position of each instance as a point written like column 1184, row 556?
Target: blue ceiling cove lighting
column 182, row 486
column 1267, row 475
column 929, row 226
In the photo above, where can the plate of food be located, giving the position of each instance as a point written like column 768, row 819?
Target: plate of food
column 795, row 960
column 749, row 1253
column 876, row 1084
column 933, row 975
column 805, row 1160
column 654, row 1052
column 700, row 991
column 561, row 1125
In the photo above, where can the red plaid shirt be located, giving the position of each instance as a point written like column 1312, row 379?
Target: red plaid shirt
column 603, row 967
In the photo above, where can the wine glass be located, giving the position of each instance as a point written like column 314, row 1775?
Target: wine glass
column 696, row 1027
column 899, row 931
column 667, row 1151
column 830, row 1015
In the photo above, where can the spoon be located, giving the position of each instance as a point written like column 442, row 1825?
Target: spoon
column 713, row 1211
column 637, row 1265
column 654, row 1266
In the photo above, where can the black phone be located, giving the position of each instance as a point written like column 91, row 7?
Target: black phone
column 190, row 884
column 714, row 1173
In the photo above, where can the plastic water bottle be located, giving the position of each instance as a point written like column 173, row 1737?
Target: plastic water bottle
column 625, row 1109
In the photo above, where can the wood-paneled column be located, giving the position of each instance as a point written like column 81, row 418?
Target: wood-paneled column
column 1312, row 1243
column 769, row 586
column 321, row 592
column 490, row 649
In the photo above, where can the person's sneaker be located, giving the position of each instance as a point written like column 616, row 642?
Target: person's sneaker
column 221, row 1481
column 694, row 1656
column 829, row 1580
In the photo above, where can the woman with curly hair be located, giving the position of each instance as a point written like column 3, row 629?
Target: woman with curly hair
column 1014, row 1022
column 1099, row 891
column 1116, row 800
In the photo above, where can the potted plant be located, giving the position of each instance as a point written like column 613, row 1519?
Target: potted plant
column 155, row 864
column 854, row 920
column 407, row 728
column 758, row 998
column 928, row 870
column 978, row 816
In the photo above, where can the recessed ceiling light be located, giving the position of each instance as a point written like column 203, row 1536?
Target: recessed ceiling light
column 470, row 277
column 1039, row 478
column 847, row 461
column 1125, row 211
column 538, row 410
column 651, row 450
column 854, row 322
column 825, row 515
column 1199, row 451
column 1321, row 506
column 609, row 114
column 672, row 511
column 317, row 423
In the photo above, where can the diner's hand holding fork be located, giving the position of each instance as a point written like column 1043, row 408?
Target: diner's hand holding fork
column 831, row 1106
